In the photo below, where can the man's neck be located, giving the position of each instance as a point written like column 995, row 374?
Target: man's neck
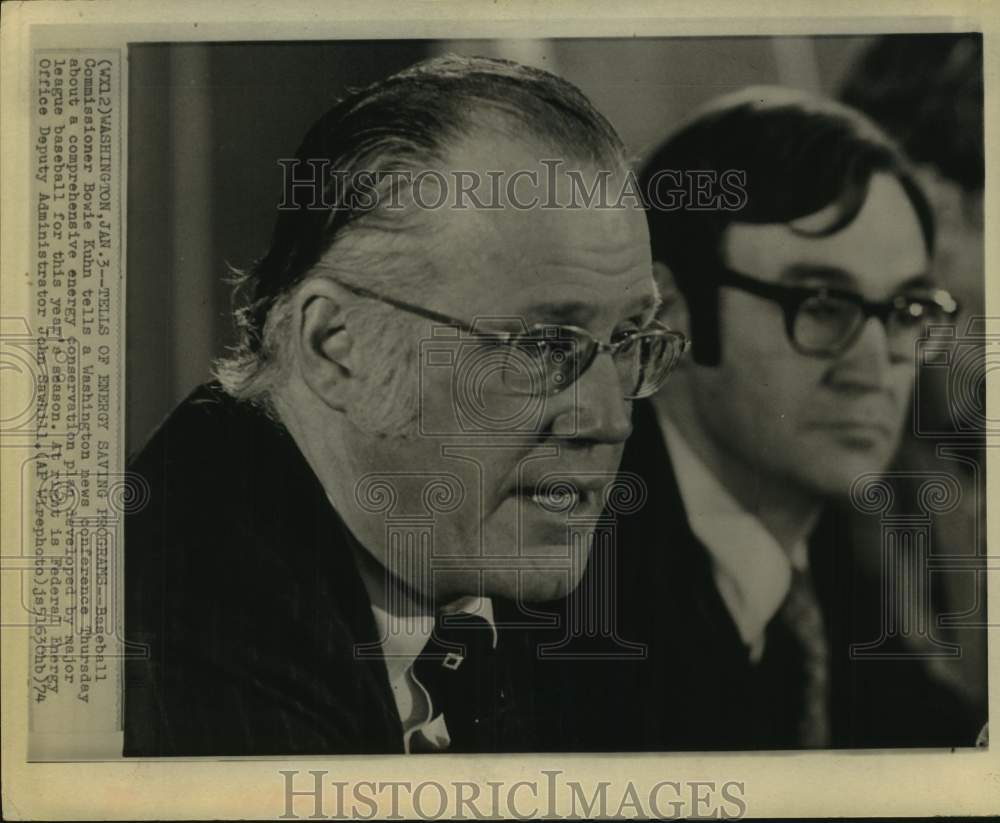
column 322, row 441
column 788, row 512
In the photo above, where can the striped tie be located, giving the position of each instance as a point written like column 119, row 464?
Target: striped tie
column 802, row 617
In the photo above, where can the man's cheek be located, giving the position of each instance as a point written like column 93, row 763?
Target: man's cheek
column 800, row 389
column 498, row 534
column 903, row 383
column 780, row 396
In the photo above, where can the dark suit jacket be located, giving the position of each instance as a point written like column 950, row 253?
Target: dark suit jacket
column 240, row 582
column 696, row 688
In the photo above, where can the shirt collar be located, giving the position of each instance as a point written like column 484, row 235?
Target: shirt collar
column 752, row 571
column 403, row 632
column 403, row 638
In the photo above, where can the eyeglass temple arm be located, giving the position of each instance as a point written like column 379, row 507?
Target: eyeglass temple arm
column 445, row 319
column 429, row 314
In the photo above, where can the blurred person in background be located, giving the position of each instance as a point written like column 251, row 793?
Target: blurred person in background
column 927, row 92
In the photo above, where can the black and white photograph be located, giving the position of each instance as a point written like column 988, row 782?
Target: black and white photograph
column 565, row 397
column 629, row 428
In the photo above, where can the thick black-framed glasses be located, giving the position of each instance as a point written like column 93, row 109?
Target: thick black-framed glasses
column 547, row 358
column 824, row 321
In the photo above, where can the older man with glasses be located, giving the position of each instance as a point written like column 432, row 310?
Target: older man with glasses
column 422, row 394
column 804, row 306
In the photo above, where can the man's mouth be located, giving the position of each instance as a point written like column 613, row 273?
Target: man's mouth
column 560, row 496
column 556, row 502
column 871, row 427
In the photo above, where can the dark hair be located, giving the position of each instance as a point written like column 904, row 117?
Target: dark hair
column 926, row 90
column 407, row 122
column 800, row 154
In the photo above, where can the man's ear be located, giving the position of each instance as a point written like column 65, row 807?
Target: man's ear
column 323, row 341
column 674, row 308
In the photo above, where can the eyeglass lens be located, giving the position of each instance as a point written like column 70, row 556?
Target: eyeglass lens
column 551, row 364
column 826, row 324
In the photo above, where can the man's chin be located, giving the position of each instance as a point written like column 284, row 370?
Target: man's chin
column 842, row 457
column 532, row 580
column 549, row 585
column 533, row 564
column 837, row 484
column 860, row 443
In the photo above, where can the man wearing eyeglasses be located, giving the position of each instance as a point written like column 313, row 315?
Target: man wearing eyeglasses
column 804, row 305
column 422, row 396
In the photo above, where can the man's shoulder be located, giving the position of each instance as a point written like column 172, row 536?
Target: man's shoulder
column 238, row 538
column 661, row 522
column 205, row 423
column 222, row 458
column 665, row 572
column 230, row 494
column 239, row 579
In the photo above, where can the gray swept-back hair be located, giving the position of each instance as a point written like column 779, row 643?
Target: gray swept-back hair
column 405, row 123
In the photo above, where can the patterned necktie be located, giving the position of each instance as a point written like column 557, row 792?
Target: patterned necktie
column 458, row 668
column 801, row 616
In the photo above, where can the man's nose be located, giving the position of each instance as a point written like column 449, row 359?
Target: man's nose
column 867, row 362
column 594, row 408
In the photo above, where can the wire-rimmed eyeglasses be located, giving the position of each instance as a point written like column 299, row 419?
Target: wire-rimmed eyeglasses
column 547, row 358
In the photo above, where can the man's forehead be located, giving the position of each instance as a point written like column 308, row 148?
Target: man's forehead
column 883, row 244
column 490, row 147
column 641, row 302
column 566, row 266
column 502, row 147
column 497, row 165
column 519, row 238
column 612, row 242
column 523, row 208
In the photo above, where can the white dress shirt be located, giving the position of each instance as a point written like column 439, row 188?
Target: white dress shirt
column 402, row 638
column 752, row 571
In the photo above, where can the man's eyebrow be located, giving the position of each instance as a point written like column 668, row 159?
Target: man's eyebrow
column 842, row 278
column 924, row 280
column 570, row 312
column 578, row 312
column 832, row 275
column 648, row 305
